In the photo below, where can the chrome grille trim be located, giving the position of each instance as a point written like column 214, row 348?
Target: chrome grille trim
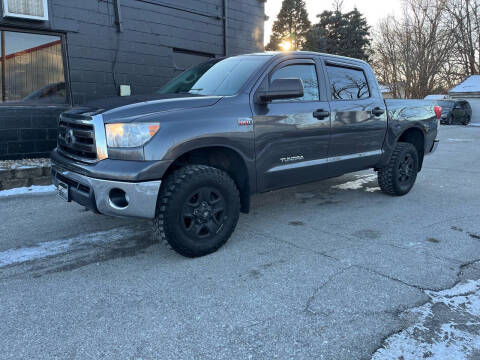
column 90, row 143
column 100, row 137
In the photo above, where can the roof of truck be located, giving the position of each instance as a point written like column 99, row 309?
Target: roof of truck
column 287, row 53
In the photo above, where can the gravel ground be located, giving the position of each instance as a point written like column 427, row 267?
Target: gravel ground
column 330, row 270
column 24, row 163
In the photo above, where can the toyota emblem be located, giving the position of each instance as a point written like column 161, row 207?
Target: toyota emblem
column 69, row 137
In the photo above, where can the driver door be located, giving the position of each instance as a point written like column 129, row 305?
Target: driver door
column 292, row 135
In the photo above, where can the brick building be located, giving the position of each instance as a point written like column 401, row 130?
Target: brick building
column 59, row 53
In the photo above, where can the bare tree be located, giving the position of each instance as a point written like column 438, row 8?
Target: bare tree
column 411, row 51
column 464, row 18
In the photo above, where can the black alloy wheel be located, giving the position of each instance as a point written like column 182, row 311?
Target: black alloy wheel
column 406, row 169
column 203, row 213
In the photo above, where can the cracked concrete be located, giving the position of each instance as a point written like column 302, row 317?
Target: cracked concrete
column 447, row 326
column 331, row 270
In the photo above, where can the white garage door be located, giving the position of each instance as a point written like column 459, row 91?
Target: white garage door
column 475, row 104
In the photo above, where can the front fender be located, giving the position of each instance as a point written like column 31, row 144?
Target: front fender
column 223, row 125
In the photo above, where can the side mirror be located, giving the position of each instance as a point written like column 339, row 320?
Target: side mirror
column 282, row 89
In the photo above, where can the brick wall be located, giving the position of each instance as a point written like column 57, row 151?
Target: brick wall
column 27, row 132
column 100, row 58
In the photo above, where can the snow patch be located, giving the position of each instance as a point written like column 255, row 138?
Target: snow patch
column 460, row 140
column 357, row 184
column 28, row 190
column 57, row 247
column 454, row 338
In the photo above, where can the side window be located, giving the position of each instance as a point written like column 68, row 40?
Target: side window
column 307, row 73
column 347, row 84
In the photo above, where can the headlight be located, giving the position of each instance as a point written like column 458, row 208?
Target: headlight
column 130, row 135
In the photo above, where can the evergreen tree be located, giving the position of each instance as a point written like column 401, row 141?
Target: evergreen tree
column 338, row 33
column 358, row 39
column 292, row 25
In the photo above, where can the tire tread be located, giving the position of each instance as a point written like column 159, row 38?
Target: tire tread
column 386, row 174
column 173, row 184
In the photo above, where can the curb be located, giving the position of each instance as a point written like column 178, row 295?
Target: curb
column 24, row 177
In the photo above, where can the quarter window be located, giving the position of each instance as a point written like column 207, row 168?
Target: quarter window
column 347, row 84
column 31, row 70
column 307, row 73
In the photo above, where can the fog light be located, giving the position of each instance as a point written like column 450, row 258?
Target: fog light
column 118, row 198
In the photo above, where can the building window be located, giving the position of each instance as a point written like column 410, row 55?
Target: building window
column 185, row 59
column 31, row 69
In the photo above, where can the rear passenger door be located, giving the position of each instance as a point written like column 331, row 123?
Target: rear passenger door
column 359, row 118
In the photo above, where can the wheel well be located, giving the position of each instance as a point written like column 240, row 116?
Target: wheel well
column 415, row 137
column 222, row 158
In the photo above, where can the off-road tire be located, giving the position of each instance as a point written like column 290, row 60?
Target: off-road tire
column 388, row 176
column 169, row 224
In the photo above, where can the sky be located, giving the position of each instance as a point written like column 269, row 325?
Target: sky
column 374, row 10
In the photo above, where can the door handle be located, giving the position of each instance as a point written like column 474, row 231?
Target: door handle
column 378, row 111
column 321, row 114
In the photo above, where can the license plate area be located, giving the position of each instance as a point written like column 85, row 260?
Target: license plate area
column 63, row 191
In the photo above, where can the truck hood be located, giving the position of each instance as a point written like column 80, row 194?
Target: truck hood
column 130, row 108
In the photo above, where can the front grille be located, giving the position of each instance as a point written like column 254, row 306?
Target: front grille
column 76, row 138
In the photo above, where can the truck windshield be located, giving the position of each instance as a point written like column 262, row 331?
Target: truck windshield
column 215, row 78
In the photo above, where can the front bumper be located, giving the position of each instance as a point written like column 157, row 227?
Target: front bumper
column 98, row 195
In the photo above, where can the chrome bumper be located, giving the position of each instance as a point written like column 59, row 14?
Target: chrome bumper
column 96, row 194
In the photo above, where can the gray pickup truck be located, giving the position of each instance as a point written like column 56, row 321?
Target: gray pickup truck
column 190, row 156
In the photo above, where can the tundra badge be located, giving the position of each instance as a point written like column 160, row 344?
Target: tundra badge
column 291, row 159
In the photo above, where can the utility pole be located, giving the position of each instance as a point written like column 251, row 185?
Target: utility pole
column 225, row 27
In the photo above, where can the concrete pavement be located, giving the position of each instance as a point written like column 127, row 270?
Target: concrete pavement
column 331, row 270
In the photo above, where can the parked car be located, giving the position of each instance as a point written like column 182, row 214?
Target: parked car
column 455, row 112
column 190, row 158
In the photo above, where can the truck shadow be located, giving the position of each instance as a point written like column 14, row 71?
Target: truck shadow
column 114, row 245
column 351, row 187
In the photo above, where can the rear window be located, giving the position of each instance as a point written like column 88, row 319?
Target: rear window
column 347, row 83
column 446, row 104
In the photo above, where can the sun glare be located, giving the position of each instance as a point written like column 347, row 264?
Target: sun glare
column 286, row 45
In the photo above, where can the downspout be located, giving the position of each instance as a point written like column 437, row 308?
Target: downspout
column 119, row 23
column 225, row 27
column 118, row 16
column 4, row 68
